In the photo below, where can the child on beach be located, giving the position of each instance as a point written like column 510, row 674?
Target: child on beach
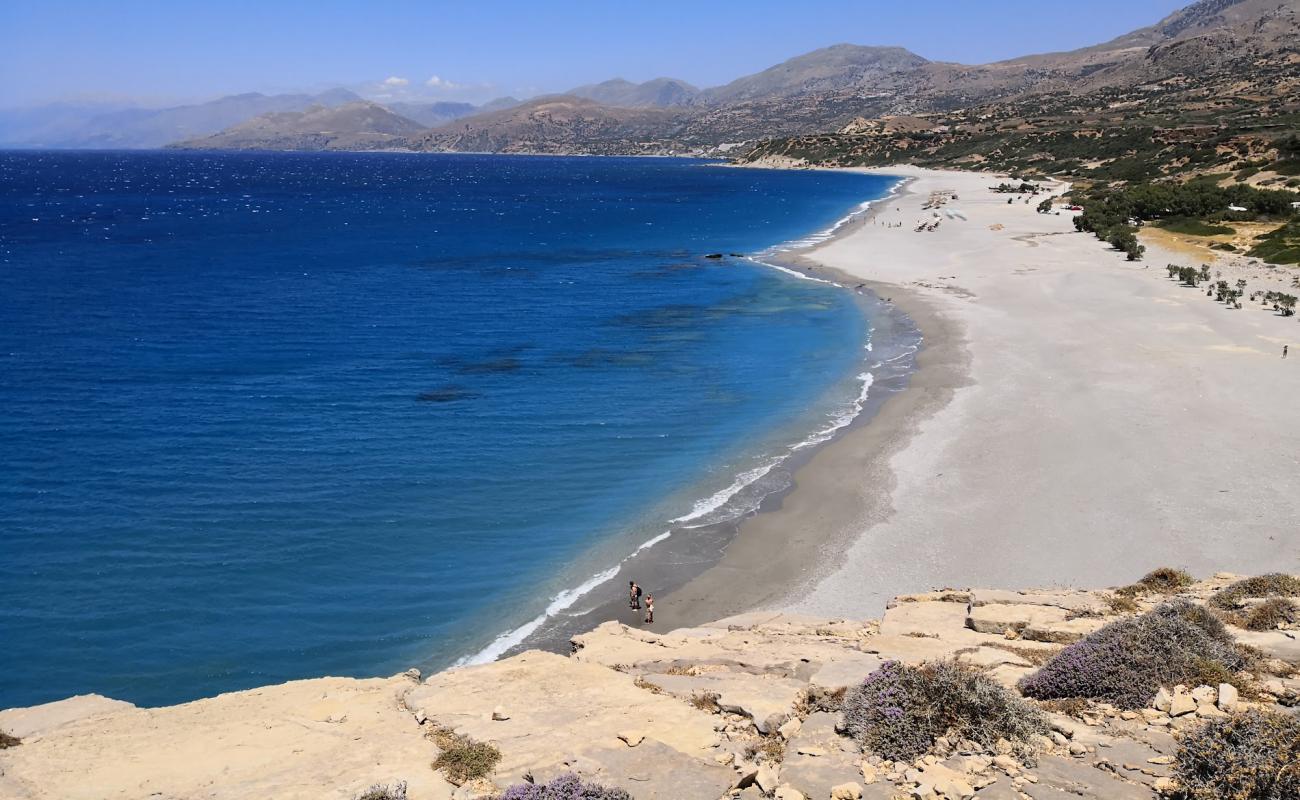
column 649, row 608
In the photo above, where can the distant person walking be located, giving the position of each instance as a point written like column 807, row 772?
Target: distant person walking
column 649, row 608
column 1285, row 347
column 633, row 595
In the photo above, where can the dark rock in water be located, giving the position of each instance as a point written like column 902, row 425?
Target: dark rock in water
column 446, row 394
column 736, row 255
column 713, row 255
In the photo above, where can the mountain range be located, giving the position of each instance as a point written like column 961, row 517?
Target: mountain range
column 1210, row 61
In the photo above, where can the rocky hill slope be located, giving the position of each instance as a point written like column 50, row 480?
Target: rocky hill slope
column 761, row 705
column 657, row 93
column 1215, row 62
column 354, row 126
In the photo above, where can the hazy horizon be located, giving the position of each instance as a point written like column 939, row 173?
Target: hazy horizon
column 142, row 53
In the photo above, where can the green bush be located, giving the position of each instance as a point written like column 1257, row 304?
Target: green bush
column 462, row 759
column 1194, row 227
column 1281, row 246
column 899, row 711
column 1254, row 755
column 1127, row 661
column 1275, row 584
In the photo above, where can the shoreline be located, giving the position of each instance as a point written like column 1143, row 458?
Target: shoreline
column 673, row 568
column 1056, row 386
column 782, row 551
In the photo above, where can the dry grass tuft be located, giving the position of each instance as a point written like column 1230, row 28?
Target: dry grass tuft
column 706, row 701
column 770, row 748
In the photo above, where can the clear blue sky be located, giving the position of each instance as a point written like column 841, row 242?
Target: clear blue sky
column 186, row 49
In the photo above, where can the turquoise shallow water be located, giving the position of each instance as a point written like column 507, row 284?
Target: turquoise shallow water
column 273, row 416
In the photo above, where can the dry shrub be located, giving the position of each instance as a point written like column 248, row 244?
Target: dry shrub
column 641, row 683
column 1164, row 580
column 1276, row 584
column 1121, row 604
column 1254, row 755
column 1127, row 661
column 770, row 748
column 706, row 701
column 899, row 710
column 1269, row 614
column 384, row 792
column 463, row 759
column 1205, row 672
column 7, row 741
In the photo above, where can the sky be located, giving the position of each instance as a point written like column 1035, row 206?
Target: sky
column 156, row 53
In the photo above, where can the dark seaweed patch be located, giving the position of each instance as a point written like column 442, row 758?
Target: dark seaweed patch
column 446, row 394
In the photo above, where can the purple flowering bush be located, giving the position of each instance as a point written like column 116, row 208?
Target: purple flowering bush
column 899, row 711
column 565, row 787
column 1127, row 661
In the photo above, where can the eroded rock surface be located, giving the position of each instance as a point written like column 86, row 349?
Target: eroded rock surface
column 741, row 708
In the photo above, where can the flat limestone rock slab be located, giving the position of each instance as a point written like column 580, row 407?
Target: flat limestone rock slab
column 35, row 720
column 652, row 771
column 1034, row 622
column 321, row 739
column 1060, row 777
column 845, row 672
column 768, row 700
column 556, row 706
column 1275, row 644
column 815, row 776
column 1068, row 600
column 944, row 619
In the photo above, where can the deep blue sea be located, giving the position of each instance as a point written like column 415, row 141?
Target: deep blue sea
column 271, row 416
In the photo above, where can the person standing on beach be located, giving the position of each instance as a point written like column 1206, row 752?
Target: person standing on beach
column 633, row 595
column 649, row 608
column 1285, row 347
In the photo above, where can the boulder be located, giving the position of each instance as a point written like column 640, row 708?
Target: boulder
column 846, row 791
column 1227, row 701
column 1163, row 700
column 1181, row 704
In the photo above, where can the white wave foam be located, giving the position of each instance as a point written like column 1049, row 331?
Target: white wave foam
column 842, row 419
column 561, row 602
column 719, row 498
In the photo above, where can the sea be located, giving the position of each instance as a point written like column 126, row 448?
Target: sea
column 275, row 416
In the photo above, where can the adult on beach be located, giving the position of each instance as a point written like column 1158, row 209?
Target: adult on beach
column 649, row 608
column 633, row 595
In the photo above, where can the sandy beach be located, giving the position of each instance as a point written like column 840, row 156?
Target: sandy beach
column 1074, row 419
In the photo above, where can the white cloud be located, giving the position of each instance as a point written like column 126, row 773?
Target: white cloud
column 395, row 81
column 440, row 83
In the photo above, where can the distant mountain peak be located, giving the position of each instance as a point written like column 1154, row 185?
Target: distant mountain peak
column 622, row 93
